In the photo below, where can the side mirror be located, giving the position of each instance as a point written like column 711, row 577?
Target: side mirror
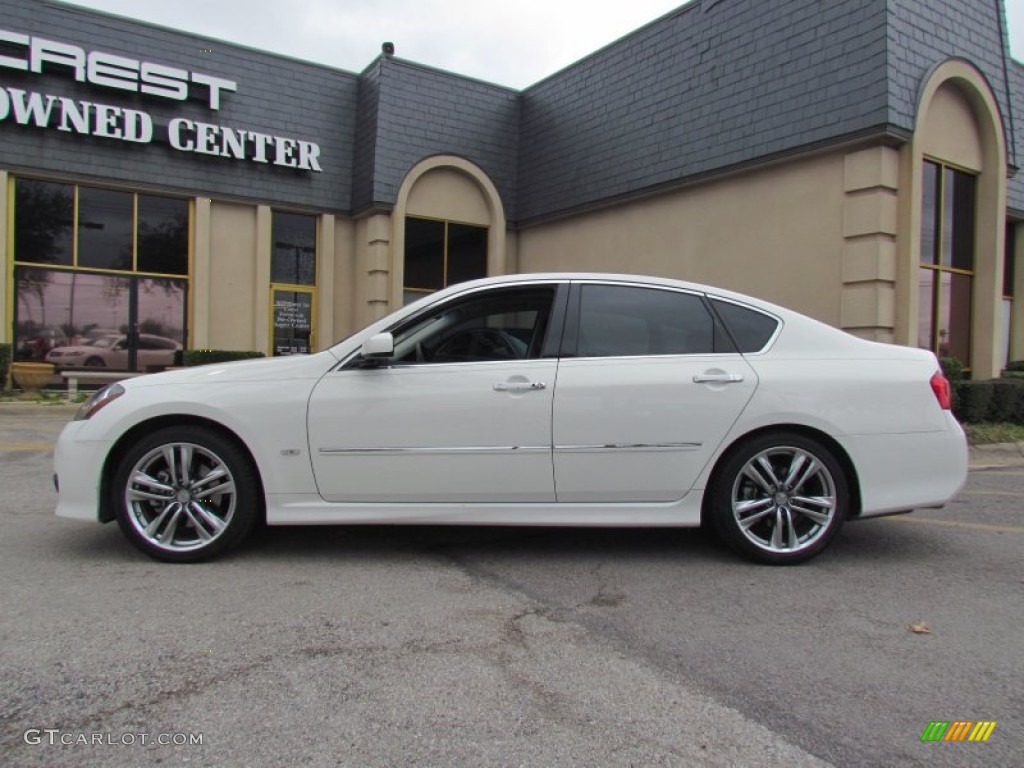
column 379, row 347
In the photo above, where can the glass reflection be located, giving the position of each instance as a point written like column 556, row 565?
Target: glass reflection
column 954, row 322
column 163, row 235
column 75, row 320
column 293, row 260
column 44, row 214
column 104, row 228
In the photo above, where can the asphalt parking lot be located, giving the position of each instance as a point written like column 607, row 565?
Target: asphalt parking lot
column 498, row 647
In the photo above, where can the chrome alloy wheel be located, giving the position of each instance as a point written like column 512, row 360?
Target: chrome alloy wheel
column 784, row 499
column 180, row 497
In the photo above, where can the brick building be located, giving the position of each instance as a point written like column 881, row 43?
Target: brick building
column 856, row 161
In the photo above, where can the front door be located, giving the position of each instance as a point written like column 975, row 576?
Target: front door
column 462, row 413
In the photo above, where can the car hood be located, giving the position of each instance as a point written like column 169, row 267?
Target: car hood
column 263, row 369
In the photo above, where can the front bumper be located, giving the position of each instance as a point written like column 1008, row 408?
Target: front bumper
column 77, row 466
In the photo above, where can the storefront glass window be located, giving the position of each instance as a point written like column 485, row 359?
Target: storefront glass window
column 947, row 261
column 441, row 253
column 294, row 256
column 94, row 304
column 105, row 219
column 292, row 263
column 162, row 235
column 424, row 255
column 467, row 253
column 293, row 321
column 44, row 222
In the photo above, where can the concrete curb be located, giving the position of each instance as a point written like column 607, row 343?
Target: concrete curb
column 996, row 456
column 35, row 408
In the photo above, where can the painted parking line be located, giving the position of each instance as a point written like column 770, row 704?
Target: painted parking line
column 11, row 446
column 958, row 524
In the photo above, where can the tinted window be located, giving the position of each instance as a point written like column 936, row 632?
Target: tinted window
column 105, row 218
column 441, row 253
column 751, row 329
column 497, row 325
column 162, row 239
column 619, row 320
column 293, row 260
column 467, row 253
column 44, row 214
column 424, row 254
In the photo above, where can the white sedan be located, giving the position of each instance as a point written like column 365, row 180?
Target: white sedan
column 112, row 352
column 568, row 400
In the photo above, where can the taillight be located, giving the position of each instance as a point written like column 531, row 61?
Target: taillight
column 943, row 393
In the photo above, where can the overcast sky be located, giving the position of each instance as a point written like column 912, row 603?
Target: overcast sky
column 509, row 43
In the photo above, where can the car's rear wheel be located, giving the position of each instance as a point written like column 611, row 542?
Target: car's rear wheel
column 780, row 498
column 184, row 494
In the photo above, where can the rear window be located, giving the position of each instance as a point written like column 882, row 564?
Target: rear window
column 751, row 329
column 623, row 321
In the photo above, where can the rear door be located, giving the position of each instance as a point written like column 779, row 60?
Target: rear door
column 648, row 386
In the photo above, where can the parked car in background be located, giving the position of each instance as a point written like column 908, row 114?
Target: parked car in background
column 568, row 400
column 38, row 344
column 89, row 336
column 154, row 352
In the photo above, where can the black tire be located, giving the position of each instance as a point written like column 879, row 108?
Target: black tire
column 95, row 362
column 790, row 492
column 202, row 496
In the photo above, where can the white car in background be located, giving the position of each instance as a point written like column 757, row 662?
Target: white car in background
column 540, row 400
column 112, row 352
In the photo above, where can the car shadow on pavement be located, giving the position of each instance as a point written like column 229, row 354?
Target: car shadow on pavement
column 541, row 542
column 878, row 542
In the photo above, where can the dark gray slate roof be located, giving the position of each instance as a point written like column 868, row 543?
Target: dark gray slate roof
column 422, row 112
column 710, row 86
column 1015, row 188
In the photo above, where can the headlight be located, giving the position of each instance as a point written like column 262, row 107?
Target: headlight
column 97, row 400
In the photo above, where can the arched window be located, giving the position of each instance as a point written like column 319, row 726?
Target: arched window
column 441, row 253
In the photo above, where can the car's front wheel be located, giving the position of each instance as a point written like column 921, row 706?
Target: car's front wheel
column 780, row 498
column 184, row 494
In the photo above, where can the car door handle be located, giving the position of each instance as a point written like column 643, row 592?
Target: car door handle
column 519, row 386
column 717, row 378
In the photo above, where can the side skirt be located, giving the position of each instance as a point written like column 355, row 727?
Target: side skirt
column 310, row 509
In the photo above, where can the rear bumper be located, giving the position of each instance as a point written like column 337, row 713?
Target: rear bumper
column 902, row 472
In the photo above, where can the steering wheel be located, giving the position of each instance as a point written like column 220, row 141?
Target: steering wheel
column 478, row 344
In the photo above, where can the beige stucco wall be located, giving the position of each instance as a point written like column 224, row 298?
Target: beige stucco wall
column 447, row 193
column 949, row 130
column 232, row 281
column 340, row 283
column 776, row 233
